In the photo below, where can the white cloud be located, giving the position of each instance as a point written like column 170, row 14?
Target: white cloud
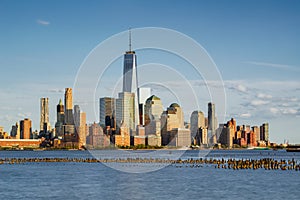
column 241, row 88
column 274, row 110
column 273, row 65
column 245, row 115
column 56, row 90
column 42, row 22
column 264, row 96
column 293, row 99
column 258, row 102
column 24, row 115
column 289, row 111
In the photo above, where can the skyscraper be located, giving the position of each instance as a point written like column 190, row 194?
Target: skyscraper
column 69, row 107
column 107, row 112
column 82, row 129
column 60, row 114
column 130, row 78
column 212, row 123
column 76, row 116
column 197, row 120
column 125, row 106
column 144, row 94
column 15, row 131
column 25, row 129
column 171, row 119
column 153, row 111
column 44, row 115
column 256, row 131
column 264, row 132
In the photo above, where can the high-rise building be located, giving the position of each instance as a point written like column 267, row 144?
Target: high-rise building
column 256, row 131
column 232, row 123
column 226, row 133
column 144, row 94
column 15, row 131
column 25, row 129
column 70, row 135
column 107, row 112
column 203, row 136
column 172, row 118
column 212, row 123
column 125, row 110
column 44, row 115
column 180, row 137
column 96, row 137
column 69, row 120
column 76, row 116
column 230, row 136
column 197, row 120
column 82, row 129
column 264, row 132
column 222, row 133
column 80, row 125
column 153, row 109
column 130, row 78
column 123, row 139
column 60, row 114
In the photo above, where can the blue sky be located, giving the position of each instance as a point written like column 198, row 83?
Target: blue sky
column 255, row 45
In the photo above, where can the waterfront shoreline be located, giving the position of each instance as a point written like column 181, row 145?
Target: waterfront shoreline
column 230, row 163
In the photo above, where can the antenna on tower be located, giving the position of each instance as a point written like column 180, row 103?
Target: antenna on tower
column 129, row 39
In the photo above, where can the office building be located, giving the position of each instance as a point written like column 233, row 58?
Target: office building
column 107, row 112
column 82, row 129
column 201, row 137
column 153, row 111
column 123, row 138
column 25, row 129
column 172, row 118
column 96, row 137
column 180, row 137
column 15, row 131
column 264, row 132
column 197, row 120
column 69, row 107
column 44, row 115
column 256, row 131
column 212, row 123
column 130, row 78
column 60, row 119
column 76, row 116
column 144, row 94
column 125, row 110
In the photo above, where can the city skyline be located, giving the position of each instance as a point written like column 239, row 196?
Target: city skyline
column 256, row 55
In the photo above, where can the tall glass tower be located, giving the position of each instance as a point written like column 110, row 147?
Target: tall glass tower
column 212, row 122
column 130, row 78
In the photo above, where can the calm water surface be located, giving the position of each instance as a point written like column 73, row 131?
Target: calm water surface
column 97, row 181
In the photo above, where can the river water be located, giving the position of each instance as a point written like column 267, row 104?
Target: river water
column 76, row 180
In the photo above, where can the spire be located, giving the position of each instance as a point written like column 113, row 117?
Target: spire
column 129, row 39
column 60, row 102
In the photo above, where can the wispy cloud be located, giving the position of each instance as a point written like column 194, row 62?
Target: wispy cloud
column 264, row 96
column 258, row 102
column 55, row 90
column 24, row 115
column 245, row 115
column 273, row 65
column 42, row 22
